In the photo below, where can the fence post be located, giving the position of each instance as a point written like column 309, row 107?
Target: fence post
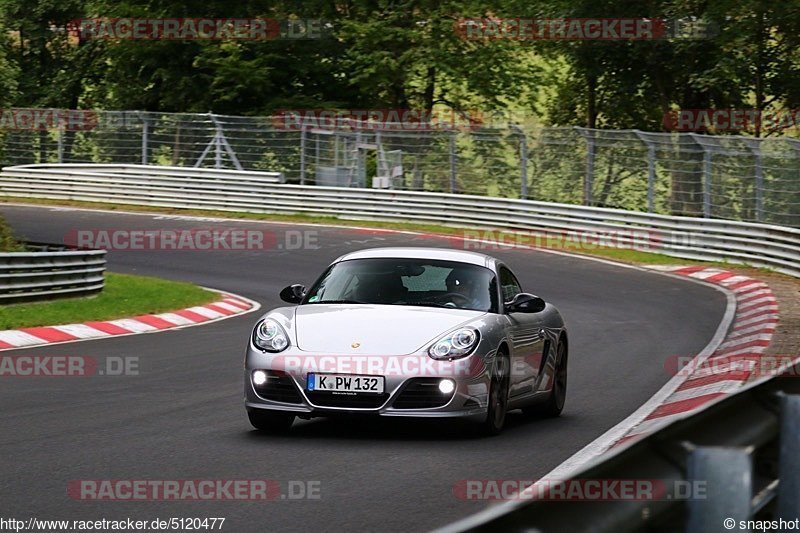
column 60, row 143
column 651, row 170
column 316, row 151
column 706, row 183
column 707, row 169
column 728, row 478
column 789, row 459
column 379, row 154
column 217, row 144
column 754, row 145
column 588, row 179
column 145, row 133
column 651, row 178
column 453, row 162
column 523, row 161
column 759, row 188
column 303, row 155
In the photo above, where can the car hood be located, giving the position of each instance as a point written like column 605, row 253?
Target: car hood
column 376, row 329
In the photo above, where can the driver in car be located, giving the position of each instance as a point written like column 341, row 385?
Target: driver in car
column 463, row 282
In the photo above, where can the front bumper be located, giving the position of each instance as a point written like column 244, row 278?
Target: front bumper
column 407, row 380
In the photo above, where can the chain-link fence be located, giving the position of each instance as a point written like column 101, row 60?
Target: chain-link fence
column 732, row 177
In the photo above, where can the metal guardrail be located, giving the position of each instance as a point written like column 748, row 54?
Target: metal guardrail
column 736, row 459
column 732, row 177
column 759, row 245
column 50, row 271
column 152, row 172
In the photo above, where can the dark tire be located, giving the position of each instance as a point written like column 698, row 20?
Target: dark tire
column 498, row 398
column 270, row 421
column 558, row 394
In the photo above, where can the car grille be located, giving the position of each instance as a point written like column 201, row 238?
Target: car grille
column 421, row 393
column 278, row 388
column 358, row 401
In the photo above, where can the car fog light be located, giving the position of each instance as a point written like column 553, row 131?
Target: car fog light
column 260, row 377
column 446, row 386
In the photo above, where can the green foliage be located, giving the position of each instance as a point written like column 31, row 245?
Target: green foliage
column 8, row 243
column 406, row 54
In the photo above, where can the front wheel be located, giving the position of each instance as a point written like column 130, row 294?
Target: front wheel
column 270, row 421
column 498, row 398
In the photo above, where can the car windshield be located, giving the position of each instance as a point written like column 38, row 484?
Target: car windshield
column 420, row 282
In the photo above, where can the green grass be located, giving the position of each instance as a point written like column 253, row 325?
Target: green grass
column 123, row 296
column 7, row 241
column 637, row 257
column 616, row 254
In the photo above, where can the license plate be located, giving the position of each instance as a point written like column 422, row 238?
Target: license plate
column 345, row 383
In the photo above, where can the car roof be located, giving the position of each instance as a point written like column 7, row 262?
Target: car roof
column 443, row 254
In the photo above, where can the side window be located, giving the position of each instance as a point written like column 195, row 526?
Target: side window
column 508, row 284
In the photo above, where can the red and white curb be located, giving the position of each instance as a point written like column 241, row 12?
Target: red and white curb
column 733, row 363
column 229, row 305
column 745, row 331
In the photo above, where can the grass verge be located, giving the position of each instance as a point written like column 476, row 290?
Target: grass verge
column 123, row 296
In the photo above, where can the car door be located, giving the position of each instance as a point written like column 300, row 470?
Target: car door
column 526, row 336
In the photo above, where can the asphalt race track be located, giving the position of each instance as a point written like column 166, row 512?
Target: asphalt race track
column 182, row 417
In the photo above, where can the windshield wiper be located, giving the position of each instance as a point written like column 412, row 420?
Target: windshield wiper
column 423, row 304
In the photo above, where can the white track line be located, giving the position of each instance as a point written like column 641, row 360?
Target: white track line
column 602, row 443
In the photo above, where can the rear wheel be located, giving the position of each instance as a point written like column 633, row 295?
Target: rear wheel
column 558, row 394
column 270, row 421
column 498, row 398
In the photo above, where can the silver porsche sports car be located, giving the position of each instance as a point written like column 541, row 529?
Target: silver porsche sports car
column 415, row 332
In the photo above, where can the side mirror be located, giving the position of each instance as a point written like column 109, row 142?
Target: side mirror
column 293, row 293
column 525, row 303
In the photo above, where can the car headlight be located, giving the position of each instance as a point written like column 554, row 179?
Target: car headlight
column 270, row 336
column 459, row 343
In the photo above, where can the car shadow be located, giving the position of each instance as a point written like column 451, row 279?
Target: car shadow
column 397, row 429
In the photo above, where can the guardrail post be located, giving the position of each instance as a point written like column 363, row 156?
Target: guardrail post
column 728, row 478
column 145, row 133
column 789, row 458
column 453, row 162
column 302, row 155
